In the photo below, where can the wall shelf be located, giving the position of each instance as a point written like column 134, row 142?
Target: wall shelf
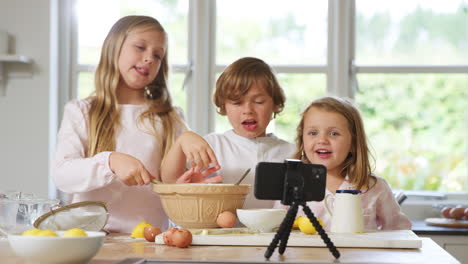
column 6, row 58
column 14, row 58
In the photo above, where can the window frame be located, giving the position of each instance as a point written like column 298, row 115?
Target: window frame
column 341, row 69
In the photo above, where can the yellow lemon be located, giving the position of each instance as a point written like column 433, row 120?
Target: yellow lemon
column 138, row 230
column 306, row 226
column 75, row 232
column 31, row 232
column 296, row 222
column 47, row 232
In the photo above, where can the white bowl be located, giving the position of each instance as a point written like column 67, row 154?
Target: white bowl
column 261, row 220
column 41, row 249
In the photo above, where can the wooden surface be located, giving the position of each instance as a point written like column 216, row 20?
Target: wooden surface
column 118, row 247
column 447, row 222
column 241, row 237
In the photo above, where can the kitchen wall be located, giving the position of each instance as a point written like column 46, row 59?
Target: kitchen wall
column 24, row 106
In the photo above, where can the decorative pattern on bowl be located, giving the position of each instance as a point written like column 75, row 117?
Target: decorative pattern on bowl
column 198, row 205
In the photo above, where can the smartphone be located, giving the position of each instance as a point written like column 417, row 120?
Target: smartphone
column 270, row 179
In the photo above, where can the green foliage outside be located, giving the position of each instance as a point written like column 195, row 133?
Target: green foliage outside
column 416, row 123
column 417, row 129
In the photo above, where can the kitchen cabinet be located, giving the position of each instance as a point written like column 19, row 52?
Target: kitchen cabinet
column 453, row 240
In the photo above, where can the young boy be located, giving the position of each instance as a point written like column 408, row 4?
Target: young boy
column 249, row 94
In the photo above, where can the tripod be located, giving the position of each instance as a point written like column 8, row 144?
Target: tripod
column 282, row 235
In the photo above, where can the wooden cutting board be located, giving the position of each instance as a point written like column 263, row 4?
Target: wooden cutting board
column 242, row 237
column 445, row 222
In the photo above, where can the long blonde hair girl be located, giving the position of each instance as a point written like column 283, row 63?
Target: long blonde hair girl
column 356, row 166
column 104, row 111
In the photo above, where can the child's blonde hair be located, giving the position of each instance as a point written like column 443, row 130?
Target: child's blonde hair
column 356, row 165
column 237, row 78
column 104, row 116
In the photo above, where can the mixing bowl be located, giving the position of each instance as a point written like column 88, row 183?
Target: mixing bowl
column 196, row 205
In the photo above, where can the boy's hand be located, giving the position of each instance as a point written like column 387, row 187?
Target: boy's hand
column 129, row 169
column 195, row 175
column 197, row 151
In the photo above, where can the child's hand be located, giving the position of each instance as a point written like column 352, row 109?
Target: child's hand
column 197, row 151
column 129, row 169
column 195, row 175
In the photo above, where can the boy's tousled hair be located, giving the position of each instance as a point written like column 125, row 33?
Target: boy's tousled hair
column 104, row 111
column 357, row 165
column 237, row 78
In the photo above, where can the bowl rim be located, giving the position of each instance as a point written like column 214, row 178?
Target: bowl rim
column 202, row 188
column 91, row 234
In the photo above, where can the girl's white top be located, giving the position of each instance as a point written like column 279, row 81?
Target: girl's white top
column 91, row 179
column 236, row 154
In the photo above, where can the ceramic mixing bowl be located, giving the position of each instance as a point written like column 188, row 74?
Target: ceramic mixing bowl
column 43, row 249
column 261, row 220
column 193, row 205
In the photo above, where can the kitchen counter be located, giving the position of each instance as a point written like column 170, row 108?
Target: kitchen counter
column 421, row 228
column 120, row 248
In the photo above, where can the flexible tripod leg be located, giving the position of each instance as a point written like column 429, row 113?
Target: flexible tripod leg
column 287, row 232
column 281, row 231
column 321, row 232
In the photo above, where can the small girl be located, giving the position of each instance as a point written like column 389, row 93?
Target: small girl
column 110, row 145
column 331, row 133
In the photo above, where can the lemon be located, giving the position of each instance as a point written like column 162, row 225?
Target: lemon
column 31, row 232
column 47, row 232
column 138, row 230
column 306, row 226
column 75, row 232
column 296, row 222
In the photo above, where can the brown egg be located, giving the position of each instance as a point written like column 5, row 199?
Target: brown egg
column 457, row 213
column 445, row 212
column 226, row 219
column 181, row 238
column 167, row 236
column 466, row 212
column 150, row 232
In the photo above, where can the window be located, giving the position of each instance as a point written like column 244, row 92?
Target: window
column 283, row 38
column 403, row 62
column 414, row 103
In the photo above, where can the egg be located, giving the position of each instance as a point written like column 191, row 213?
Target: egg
column 167, row 236
column 226, row 219
column 457, row 213
column 445, row 212
column 150, row 232
column 181, row 238
column 466, row 213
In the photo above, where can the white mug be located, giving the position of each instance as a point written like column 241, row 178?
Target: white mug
column 347, row 216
